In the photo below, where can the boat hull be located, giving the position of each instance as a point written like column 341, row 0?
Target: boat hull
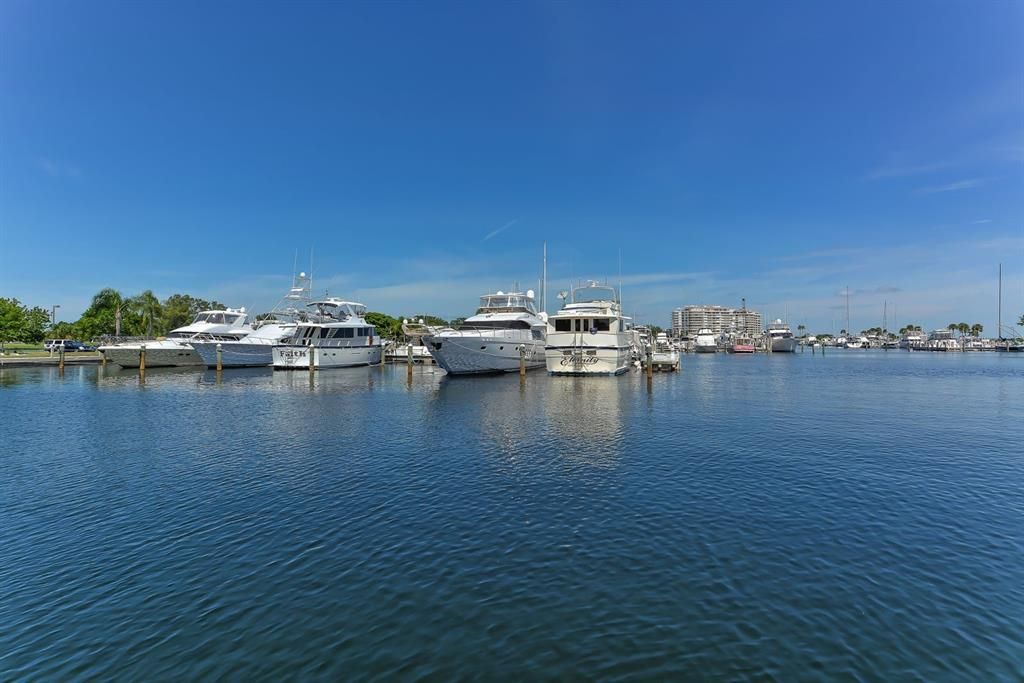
column 705, row 348
column 783, row 345
column 288, row 357
column 588, row 354
column 161, row 354
column 483, row 354
column 235, row 354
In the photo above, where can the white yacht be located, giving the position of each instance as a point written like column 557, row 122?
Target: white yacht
column 780, row 337
column 589, row 336
column 942, row 340
column 859, row 342
column 505, row 328
column 337, row 336
column 176, row 349
column 664, row 352
column 705, row 342
column 256, row 348
column 912, row 341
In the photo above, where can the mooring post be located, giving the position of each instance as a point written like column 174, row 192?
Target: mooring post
column 220, row 357
column 60, row 359
column 522, row 360
column 142, row 362
column 408, row 361
column 650, row 361
column 312, row 362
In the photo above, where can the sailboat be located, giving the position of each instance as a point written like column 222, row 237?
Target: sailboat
column 1004, row 344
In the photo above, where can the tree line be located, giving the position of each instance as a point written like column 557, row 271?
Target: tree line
column 111, row 313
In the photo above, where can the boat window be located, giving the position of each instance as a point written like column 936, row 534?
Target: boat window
column 201, row 318
column 337, row 333
column 537, row 334
column 325, row 332
column 602, row 324
column 563, row 325
column 234, row 319
column 372, row 330
column 588, row 294
column 347, row 332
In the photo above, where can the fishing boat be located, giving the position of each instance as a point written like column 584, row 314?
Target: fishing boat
column 256, row 349
column 337, row 336
column 589, row 336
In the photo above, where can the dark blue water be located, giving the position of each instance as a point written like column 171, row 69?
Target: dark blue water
column 856, row 517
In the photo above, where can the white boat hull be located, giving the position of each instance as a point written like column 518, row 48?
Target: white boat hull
column 287, row 357
column 588, row 354
column 476, row 354
column 235, row 354
column 783, row 345
column 159, row 354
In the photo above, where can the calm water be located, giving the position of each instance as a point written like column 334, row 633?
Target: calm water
column 857, row 516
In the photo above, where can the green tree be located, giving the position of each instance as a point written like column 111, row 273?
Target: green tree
column 431, row 320
column 1021, row 321
column 800, row 330
column 977, row 329
column 21, row 323
column 179, row 310
column 12, row 321
column 388, row 327
column 105, row 315
column 149, row 311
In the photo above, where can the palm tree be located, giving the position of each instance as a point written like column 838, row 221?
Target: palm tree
column 952, row 327
column 800, row 329
column 149, row 309
column 976, row 329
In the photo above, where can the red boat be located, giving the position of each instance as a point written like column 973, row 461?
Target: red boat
column 742, row 348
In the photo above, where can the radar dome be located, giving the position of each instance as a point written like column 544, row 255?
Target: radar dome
column 529, row 293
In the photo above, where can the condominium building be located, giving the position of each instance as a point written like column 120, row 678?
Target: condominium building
column 687, row 320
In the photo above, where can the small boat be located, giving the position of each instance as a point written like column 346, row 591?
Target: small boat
column 705, row 341
column 742, row 346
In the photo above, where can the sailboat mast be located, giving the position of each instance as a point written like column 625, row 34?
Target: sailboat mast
column 1000, row 301
column 847, row 310
column 544, row 283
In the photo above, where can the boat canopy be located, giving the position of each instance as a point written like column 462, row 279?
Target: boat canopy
column 502, row 303
column 337, row 309
column 593, row 292
column 228, row 317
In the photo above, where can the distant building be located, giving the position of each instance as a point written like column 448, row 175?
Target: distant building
column 687, row 320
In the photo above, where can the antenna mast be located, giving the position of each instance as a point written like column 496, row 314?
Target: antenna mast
column 544, row 282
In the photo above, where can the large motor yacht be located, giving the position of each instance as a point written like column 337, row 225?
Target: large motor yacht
column 589, row 336
column 504, row 329
column 337, row 336
column 176, row 349
column 705, row 341
column 780, row 337
column 256, row 349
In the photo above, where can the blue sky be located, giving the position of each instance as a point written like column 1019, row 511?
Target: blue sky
column 774, row 151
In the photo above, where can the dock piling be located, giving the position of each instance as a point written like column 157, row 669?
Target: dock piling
column 60, row 359
column 142, row 362
column 220, row 358
column 408, row 361
column 522, row 360
column 312, row 363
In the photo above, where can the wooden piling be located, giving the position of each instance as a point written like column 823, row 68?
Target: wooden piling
column 650, row 362
column 522, row 360
column 60, row 358
column 312, row 361
column 220, row 358
column 408, row 361
column 142, row 362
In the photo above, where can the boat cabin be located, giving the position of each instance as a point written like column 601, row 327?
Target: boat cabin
column 594, row 308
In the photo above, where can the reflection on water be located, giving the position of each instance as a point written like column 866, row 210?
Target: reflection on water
column 748, row 517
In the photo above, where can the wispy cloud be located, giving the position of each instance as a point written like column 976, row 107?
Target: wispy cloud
column 954, row 187
column 58, row 169
column 981, row 221
column 508, row 225
column 901, row 171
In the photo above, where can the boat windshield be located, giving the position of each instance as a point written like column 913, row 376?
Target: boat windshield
column 217, row 318
column 499, row 302
column 592, row 292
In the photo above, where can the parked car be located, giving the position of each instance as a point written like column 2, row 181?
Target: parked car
column 69, row 345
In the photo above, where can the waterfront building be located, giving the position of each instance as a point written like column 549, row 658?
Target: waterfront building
column 688, row 320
